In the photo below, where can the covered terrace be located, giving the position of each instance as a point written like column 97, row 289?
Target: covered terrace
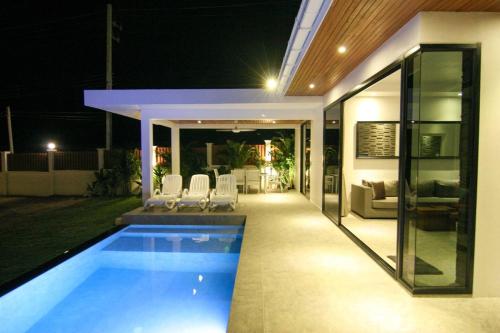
column 217, row 109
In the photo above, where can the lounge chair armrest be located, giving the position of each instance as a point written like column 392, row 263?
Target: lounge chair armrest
column 157, row 192
column 213, row 193
column 185, row 192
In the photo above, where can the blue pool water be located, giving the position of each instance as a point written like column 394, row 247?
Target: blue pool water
column 141, row 279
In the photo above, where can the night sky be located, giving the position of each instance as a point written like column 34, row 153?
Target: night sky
column 54, row 50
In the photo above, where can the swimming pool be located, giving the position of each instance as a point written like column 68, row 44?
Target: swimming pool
column 141, row 279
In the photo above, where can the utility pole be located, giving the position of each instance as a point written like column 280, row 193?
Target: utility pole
column 109, row 71
column 9, row 128
column 109, row 67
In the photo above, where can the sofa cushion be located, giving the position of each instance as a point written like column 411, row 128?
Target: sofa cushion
column 387, row 203
column 447, row 189
column 426, row 188
column 391, row 188
column 437, row 200
column 378, row 189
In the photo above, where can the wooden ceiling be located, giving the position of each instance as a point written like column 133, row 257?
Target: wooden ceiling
column 362, row 26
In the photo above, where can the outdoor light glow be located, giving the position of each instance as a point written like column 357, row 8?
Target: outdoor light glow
column 274, row 121
column 271, row 84
column 342, row 49
column 199, row 121
column 460, row 94
column 311, row 86
column 51, row 146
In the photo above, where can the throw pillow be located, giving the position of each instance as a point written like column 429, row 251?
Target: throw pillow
column 425, row 188
column 378, row 189
column 391, row 188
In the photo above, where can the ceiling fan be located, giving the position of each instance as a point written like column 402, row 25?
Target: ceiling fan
column 236, row 129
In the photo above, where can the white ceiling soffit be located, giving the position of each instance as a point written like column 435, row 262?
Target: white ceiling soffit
column 307, row 22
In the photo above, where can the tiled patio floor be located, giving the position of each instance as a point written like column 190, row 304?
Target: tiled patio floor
column 299, row 273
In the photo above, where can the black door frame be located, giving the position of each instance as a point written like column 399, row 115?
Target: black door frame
column 302, row 158
column 472, row 164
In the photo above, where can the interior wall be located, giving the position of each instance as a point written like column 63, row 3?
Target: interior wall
column 386, row 108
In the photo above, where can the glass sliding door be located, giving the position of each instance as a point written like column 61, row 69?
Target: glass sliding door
column 331, row 150
column 305, row 184
column 439, row 139
column 370, row 168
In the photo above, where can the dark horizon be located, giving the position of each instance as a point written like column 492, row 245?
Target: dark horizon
column 52, row 58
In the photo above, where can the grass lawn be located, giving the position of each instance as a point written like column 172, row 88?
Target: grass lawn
column 35, row 230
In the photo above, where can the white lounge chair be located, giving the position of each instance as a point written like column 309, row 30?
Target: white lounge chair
column 252, row 178
column 199, row 189
column 171, row 191
column 225, row 193
column 240, row 177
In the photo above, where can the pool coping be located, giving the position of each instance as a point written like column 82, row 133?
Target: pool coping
column 18, row 281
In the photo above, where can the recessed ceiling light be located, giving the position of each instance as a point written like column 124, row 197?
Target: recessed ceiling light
column 199, row 121
column 263, row 115
column 342, row 49
column 311, row 86
column 271, row 84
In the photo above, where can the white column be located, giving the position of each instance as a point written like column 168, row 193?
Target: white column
column 176, row 150
column 100, row 158
column 146, row 147
column 316, row 168
column 298, row 159
column 4, row 176
column 209, row 154
column 4, row 161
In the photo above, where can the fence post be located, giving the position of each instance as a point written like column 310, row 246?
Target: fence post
column 52, row 175
column 209, row 154
column 100, row 158
column 4, row 186
column 5, row 164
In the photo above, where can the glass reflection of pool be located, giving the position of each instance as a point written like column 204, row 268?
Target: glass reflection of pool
column 141, row 279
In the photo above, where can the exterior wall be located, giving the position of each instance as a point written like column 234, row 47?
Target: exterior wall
column 72, row 182
column 481, row 28
column 316, row 168
column 30, row 183
column 3, row 183
column 458, row 28
column 44, row 184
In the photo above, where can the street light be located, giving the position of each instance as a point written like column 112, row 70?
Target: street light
column 51, row 146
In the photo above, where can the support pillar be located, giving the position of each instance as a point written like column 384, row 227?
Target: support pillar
column 147, row 148
column 209, row 154
column 316, row 168
column 176, row 150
